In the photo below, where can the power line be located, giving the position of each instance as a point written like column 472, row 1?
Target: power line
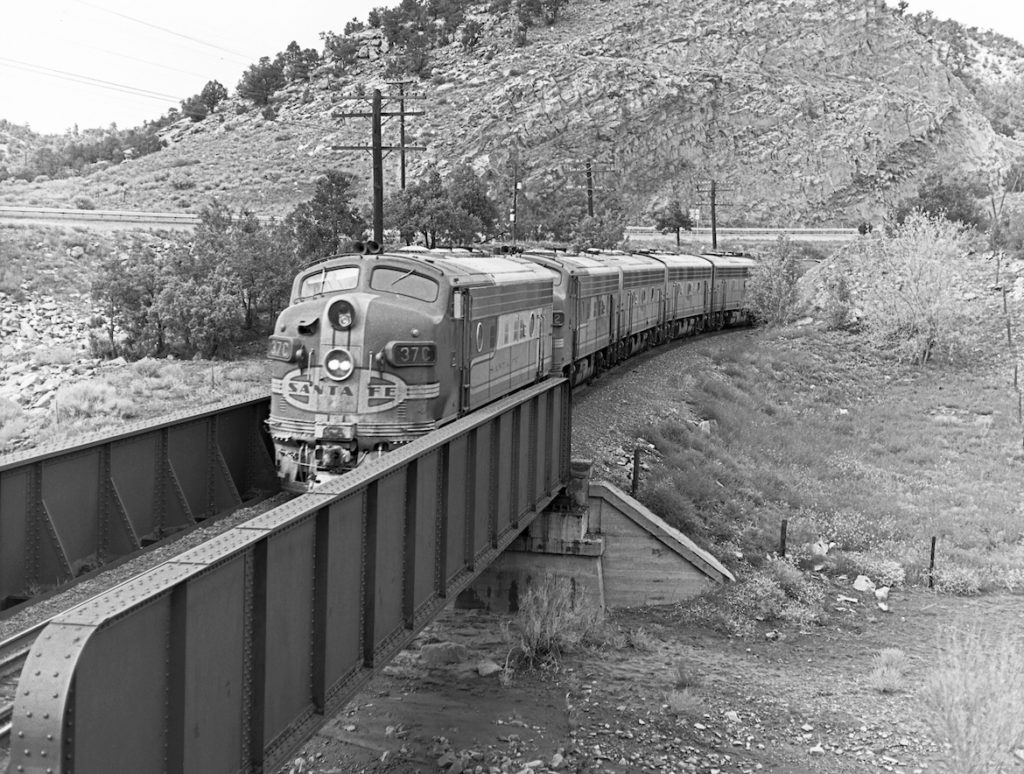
column 150, row 62
column 244, row 57
column 85, row 80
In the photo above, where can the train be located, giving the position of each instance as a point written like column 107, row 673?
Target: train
column 379, row 347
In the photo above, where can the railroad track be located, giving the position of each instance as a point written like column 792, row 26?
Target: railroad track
column 110, row 217
column 13, row 653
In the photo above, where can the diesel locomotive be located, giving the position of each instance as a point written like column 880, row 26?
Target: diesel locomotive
column 378, row 348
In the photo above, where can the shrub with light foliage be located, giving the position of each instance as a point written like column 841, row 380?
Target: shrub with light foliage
column 90, row 399
column 910, row 287
column 975, row 700
column 772, row 290
column 553, row 619
column 13, row 423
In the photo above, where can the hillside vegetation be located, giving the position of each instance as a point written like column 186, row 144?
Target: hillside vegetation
column 804, row 112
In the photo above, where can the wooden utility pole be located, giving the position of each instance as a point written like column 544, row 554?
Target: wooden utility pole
column 590, row 188
column 711, row 189
column 515, row 197
column 377, row 150
column 401, row 128
column 714, row 217
column 589, row 168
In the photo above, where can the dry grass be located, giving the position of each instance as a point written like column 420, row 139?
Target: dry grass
column 91, row 399
column 553, row 619
column 847, row 446
column 685, row 703
column 144, row 389
column 889, row 668
column 975, row 700
column 13, row 423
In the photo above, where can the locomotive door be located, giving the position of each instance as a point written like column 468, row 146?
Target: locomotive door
column 613, row 315
column 573, row 324
column 464, row 347
column 540, row 346
column 630, row 312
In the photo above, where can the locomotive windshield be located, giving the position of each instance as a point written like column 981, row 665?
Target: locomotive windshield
column 405, row 282
column 329, row 280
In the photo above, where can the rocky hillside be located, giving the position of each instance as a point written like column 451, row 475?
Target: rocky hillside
column 804, row 111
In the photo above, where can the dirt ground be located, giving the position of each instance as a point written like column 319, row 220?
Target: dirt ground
column 788, row 700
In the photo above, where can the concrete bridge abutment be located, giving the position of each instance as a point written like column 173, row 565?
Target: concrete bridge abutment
column 611, row 548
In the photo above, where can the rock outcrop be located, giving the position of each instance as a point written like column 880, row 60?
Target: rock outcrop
column 804, row 111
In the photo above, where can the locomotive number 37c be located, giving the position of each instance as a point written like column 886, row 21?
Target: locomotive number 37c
column 404, row 353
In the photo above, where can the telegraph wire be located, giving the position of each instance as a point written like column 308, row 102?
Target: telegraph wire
column 85, row 80
column 150, row 62
column 244, row 57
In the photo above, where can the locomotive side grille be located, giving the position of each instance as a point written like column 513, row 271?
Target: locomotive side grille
column 396, row 428
column 283, row 426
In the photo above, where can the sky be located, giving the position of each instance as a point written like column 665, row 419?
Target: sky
column 91, row 63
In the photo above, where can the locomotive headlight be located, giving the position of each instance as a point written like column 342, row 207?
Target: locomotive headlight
column 341, row 315
column 338, row 364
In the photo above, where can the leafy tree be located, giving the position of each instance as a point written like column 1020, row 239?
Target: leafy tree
column 470, row 35
column 468, row 192
column 201, row 299
column 772, row 292
column 456, row 212
column 341, row 49
column 195, row 108
column 413, row 58
column 127, row 288
column 322, row 225
column 213, row 94
column 598, row 232
column 296, row 62
column 546, row 10
column 951, row 198
column 672, row 217
column 450, row 13
column 915, row 309
column 1002, row 102
column 261, row 80
column 354, row 26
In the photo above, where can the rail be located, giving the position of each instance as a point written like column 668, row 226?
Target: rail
column 752, row 233
column 226, row 658
column 107, row 216
column 66, row 510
